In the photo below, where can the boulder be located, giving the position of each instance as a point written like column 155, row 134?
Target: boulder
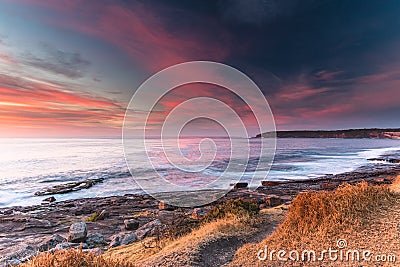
column 94, row 240
column 142, row 232
column 77, row 232
column 51, row 242
column 166, row 216
column 115, row 241
column 131, row 224
column 62, row 246
column 128, row 239
column 49, row 199
column 69, row 245
column 240, row 185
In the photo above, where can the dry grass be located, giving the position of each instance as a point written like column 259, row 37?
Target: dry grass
column 319, row 219
column 328, row 213
column 395, row 186
column 74, row 258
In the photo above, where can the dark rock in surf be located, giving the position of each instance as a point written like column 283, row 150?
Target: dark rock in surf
column 240, row 185
column 49, row 199
column 270, row 183
column 69, row 187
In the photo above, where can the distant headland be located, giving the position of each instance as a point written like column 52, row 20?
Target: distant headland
column 349, row 133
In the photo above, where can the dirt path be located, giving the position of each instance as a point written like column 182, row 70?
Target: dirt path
column 221, row 251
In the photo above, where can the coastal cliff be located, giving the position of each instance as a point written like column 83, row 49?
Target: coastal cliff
column 350, row 133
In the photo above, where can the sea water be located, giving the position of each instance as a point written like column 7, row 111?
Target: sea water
column 30, row 165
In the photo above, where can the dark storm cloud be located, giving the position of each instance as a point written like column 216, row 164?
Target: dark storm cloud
column 256, row 12
column 68, row 64
column 320, row 63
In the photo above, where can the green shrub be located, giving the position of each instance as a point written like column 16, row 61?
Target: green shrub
column 93, row 217
column 238, row 207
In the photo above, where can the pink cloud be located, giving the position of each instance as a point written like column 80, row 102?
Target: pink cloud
column 140, row 32
column 42, row 107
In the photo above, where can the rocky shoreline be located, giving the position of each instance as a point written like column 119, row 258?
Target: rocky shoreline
column 99, row 224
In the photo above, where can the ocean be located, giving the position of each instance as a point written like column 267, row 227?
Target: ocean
column 30, row 165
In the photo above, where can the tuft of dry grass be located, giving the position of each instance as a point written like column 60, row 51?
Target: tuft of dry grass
column 395, row 186
column 315, row 219
column 74, row 258
column 327, row 213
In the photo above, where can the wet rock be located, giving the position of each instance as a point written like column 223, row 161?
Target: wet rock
column 131, row 224
column 389, row 160
column 51, row 242
column 77, row 232
column 376, row 159
column 141, row 234
column 143, row 231
column 49, row 199
column 128, row 239
column 69, row 187
column 94, row 240
column 62, row 246
column 167, row 217
column 115, row 241
column 240, row 185
column 270, row 183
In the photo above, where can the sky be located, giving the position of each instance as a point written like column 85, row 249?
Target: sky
column 69, row 68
